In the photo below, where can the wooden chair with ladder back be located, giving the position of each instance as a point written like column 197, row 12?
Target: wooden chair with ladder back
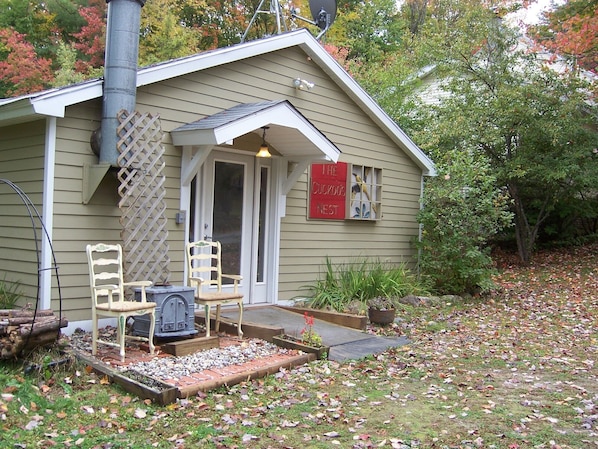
column 108, row 294
column 204, row 272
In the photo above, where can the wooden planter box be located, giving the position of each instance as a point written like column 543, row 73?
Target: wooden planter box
column 146, row 387
column 190, row 345
column 290, row 342
column 342, row 319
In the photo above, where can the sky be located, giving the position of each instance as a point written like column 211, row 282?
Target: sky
column 533, row 14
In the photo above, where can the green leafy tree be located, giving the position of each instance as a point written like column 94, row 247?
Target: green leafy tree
column 370, row 30
column 534, row 125
column 66, row 74
column 163, row 36
column 531, row 123
column 462, row 210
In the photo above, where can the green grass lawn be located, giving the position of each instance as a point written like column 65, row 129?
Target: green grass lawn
column 516, row 369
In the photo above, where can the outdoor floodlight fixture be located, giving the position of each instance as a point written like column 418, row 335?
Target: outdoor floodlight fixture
column 263, row 151
column 303, row 84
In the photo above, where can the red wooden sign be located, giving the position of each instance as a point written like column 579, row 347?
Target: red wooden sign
column 328, row 191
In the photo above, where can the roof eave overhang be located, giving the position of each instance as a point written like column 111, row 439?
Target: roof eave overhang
column 279, row 116
column 50, row 103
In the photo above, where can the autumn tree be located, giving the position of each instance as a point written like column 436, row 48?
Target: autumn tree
column 90, row 40
column 38, row 32
column 571, row 30
column 21, row 70
column 44, row 24
column 221, row 23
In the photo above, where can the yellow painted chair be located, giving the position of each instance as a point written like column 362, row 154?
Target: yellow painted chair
column 204, row 269
column 107, row 290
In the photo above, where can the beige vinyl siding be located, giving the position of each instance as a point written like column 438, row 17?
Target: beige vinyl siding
column 304, row 243
column 77, row 224
column 21, row 162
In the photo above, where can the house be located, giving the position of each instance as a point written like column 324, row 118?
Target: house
column 215, row 110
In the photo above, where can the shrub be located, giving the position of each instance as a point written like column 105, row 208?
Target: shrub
column 461, row 210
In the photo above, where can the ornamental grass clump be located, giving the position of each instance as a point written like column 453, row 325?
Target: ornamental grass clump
column 9, row 293
column 361, row 281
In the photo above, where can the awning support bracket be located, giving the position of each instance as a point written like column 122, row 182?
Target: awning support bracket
column 92, row 177
column 190, row 166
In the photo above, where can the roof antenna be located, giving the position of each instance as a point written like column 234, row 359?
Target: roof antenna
column 323, row 13
column 275, row 9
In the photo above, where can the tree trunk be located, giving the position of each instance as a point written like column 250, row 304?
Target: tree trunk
column 524, row 235
column 417, row 16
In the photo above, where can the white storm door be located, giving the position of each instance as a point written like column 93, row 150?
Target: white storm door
column 235, row 198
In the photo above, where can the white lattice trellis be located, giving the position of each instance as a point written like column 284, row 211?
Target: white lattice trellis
column 141, row 190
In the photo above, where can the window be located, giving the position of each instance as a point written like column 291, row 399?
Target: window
column 366, row 193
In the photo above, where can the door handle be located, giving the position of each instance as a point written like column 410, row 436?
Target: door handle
column 207, row 237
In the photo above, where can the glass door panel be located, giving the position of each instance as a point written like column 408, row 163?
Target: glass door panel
column 227, row 221
column 230, row 203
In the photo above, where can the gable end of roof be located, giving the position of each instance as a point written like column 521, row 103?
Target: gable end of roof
column 53, row 102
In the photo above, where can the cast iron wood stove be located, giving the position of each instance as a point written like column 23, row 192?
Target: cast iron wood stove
column 175, row 312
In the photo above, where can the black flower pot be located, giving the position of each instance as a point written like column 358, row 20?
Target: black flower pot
column 378, row 316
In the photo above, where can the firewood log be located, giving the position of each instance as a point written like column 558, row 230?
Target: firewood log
column 45, row 326
column 25, row 312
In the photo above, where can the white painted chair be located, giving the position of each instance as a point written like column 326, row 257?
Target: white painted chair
column 204, row 269
column 108, row 294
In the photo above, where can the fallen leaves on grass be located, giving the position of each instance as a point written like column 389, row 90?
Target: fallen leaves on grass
column 516, row 369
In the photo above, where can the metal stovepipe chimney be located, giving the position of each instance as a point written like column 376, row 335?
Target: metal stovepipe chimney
column 120, row 70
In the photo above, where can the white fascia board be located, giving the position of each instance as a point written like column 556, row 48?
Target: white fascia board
column 217, row 57
column 50, row 103
column 277, row 115
column 282, row 115
column 289, row 118
column 193, row 137
column 237, row 128
column 55, row 103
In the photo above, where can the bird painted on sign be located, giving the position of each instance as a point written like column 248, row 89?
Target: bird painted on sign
column 361, row 186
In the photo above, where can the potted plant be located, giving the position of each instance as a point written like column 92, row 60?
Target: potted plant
column 381, row 310
column 308, row 341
